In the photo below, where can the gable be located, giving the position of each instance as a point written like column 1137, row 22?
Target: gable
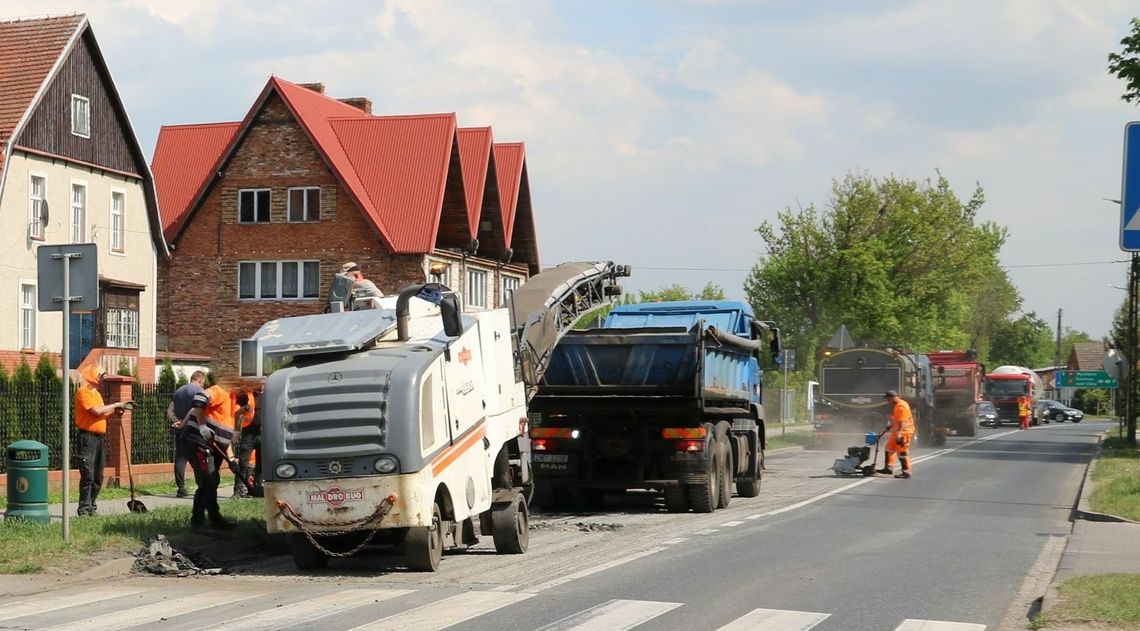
column 184, row 157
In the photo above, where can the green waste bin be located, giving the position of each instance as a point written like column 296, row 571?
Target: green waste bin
column 27, row 462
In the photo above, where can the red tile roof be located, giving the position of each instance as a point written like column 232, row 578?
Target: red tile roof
column 509, row 161
column 188, row 157
column 29, row 49
column 475, row 155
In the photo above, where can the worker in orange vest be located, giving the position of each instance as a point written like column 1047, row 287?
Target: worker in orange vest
column 900, row 436
column 206, row 433
column 1023, row 412
column 245, row 409
column 91, row 423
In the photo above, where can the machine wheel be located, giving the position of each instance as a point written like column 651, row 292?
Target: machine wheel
column 423, row 546
column 306, row 556
column 511, row 525
column 703, row 497
column 868, row 471
column 724, row 492
column 676, row 500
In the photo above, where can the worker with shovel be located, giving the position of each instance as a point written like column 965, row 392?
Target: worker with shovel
column 900, row 436
column 91, row 422
column 206, row 433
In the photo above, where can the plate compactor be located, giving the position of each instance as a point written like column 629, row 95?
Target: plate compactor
column 855, row 463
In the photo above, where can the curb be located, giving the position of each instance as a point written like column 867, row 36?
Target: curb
column 1083, row 510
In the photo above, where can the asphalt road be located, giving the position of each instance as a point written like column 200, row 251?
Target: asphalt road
column 954, row 544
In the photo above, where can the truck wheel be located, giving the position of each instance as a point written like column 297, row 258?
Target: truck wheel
column 307, row 556
column 423, row 546
column 675, row 499
column 968, row 428
column 703, row 497
column 512, row 526
column 724, row 493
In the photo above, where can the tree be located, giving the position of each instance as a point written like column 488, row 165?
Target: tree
column 1026, row 341
column 710, row 291
column 166, row 379
column 23, row 374
column 898, row 261
column 1126, row 65
column 45, row 374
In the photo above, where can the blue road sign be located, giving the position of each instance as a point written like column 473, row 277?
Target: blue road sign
column 1130, row 190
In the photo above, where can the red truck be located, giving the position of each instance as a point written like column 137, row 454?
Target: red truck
column 957, row 379
column 1005, row 385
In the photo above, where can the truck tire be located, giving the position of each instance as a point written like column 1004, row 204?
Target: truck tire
column 676, row 500
column 511, row 524
column 703, row 497
column 749, row 486
column 724, row 492
column 306, row 556
column 967, row 427
column 423, row 546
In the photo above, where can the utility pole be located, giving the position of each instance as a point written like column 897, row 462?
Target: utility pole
column 1057, row 363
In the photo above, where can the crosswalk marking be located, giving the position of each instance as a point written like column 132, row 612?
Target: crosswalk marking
column 154, row 612
column 615, row 615
column 938, row 625
column 592, row 570
column 45, row 605
column 775, row 620
column 446, row 612
column 707, row 531
column 309, row 610
column 675, row 541
column 730, row 524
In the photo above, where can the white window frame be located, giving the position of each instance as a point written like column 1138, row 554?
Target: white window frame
column 278, row 271
column 36, row 228
column 126, row 328
column 254, row 192
column 121, row 232
column 514, row 281
column 476, row 287
column 80, row 115
column 79, row 228
column 306, row 218
column 26, row 308
column 242, row 350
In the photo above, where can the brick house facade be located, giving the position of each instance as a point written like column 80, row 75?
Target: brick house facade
column 221, row 235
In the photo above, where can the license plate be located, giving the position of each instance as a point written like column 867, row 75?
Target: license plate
column 551, row 457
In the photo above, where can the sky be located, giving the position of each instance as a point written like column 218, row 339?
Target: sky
column 661, row 134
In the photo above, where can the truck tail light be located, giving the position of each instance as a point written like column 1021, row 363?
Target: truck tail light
column 684, row 432
column 690, row 444
column 544, row 444
column 553, row 432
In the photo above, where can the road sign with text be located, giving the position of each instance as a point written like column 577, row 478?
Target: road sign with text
column 1130, row 190
column 1085, row 379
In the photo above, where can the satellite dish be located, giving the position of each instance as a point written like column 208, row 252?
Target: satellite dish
column 1116, row 364
column 44, row 213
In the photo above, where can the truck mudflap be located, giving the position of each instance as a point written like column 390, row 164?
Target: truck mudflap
column 344, row 505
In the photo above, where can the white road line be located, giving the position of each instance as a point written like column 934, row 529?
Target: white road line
column 591, row 570
column 155, row 612
column 615, row 615
column 938, row 625
column 446, row 612
column 707, row 531
column 44, row 605
column 730, row 524
column 674, row 541
column 755, row 516
column 776, row 620
column 306, row 611
column 502, row 588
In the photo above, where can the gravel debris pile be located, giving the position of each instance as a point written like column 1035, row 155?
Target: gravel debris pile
column 159, row 557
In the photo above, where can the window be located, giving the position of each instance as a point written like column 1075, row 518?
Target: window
column 253, row 205
column 80, row 116
column 248, row 356
column 37, row 206
column 122, row 328
column 510, row 283
column 305, row 204
column 78, row 212
column 476, row 288
column 27, row 315
column 279, row 280
column 118, row 216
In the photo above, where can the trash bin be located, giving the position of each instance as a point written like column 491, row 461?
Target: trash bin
column 27, row 462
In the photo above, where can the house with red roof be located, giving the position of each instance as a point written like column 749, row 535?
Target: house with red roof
column 72, row 171
column 261, row 214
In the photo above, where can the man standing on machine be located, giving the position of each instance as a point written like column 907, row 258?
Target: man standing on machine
column 901, row 433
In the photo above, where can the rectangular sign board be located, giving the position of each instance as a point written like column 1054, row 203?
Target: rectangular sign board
column 1130, row 190
column 1085, row 379
column 83, row 276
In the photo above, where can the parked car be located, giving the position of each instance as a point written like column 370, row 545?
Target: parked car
column 986, row 414
column 1050, row 410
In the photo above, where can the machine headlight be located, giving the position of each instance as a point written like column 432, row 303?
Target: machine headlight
column 285, row 471
column 385, row 464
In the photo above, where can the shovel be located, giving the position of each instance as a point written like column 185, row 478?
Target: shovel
column 133, row 505
column 247, row 482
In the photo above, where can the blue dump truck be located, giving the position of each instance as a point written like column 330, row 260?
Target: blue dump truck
column 664, row 396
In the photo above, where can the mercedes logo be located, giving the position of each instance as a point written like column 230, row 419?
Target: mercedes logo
column 335, row 467
column 335, row 377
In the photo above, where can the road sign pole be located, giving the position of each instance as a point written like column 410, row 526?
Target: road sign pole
column 64, row 363
column 1130, row 388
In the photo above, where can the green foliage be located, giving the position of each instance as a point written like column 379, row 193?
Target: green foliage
column 1026, row 341
column 5, row 378
column 45, row 373
column 1126, row 64
column 167, row 382
column 124, row 368
column 675, row 292
column 23, row 374
column 897, row 260
column 182, row 379
column 209, row 379
column 1093, row 401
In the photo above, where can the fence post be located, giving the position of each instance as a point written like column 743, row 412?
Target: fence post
column 119, row 388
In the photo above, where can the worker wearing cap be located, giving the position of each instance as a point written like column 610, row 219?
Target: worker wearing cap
column 206, row 434
column 900, row 436
column 245, row 409
column 362, row 288
column 91, row 422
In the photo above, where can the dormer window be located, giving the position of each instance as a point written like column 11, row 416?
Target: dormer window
column 80, row 116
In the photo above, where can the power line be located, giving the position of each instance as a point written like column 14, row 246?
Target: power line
column 740, row 269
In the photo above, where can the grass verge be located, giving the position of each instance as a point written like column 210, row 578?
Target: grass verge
column 110, row 493
column 1116, row 480
column 791, row 439
column 27, row 548
column 1104, row 601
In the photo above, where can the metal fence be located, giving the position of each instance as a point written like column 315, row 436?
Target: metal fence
column 34, row 412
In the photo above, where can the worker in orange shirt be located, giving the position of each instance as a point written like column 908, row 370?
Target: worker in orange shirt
column 206, row 433
column 1023, row 412
column 245, row 409
column 91, row 422
column 900, row 436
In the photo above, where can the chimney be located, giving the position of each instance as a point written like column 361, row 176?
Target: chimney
column 319, row 88
column 362, row 103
